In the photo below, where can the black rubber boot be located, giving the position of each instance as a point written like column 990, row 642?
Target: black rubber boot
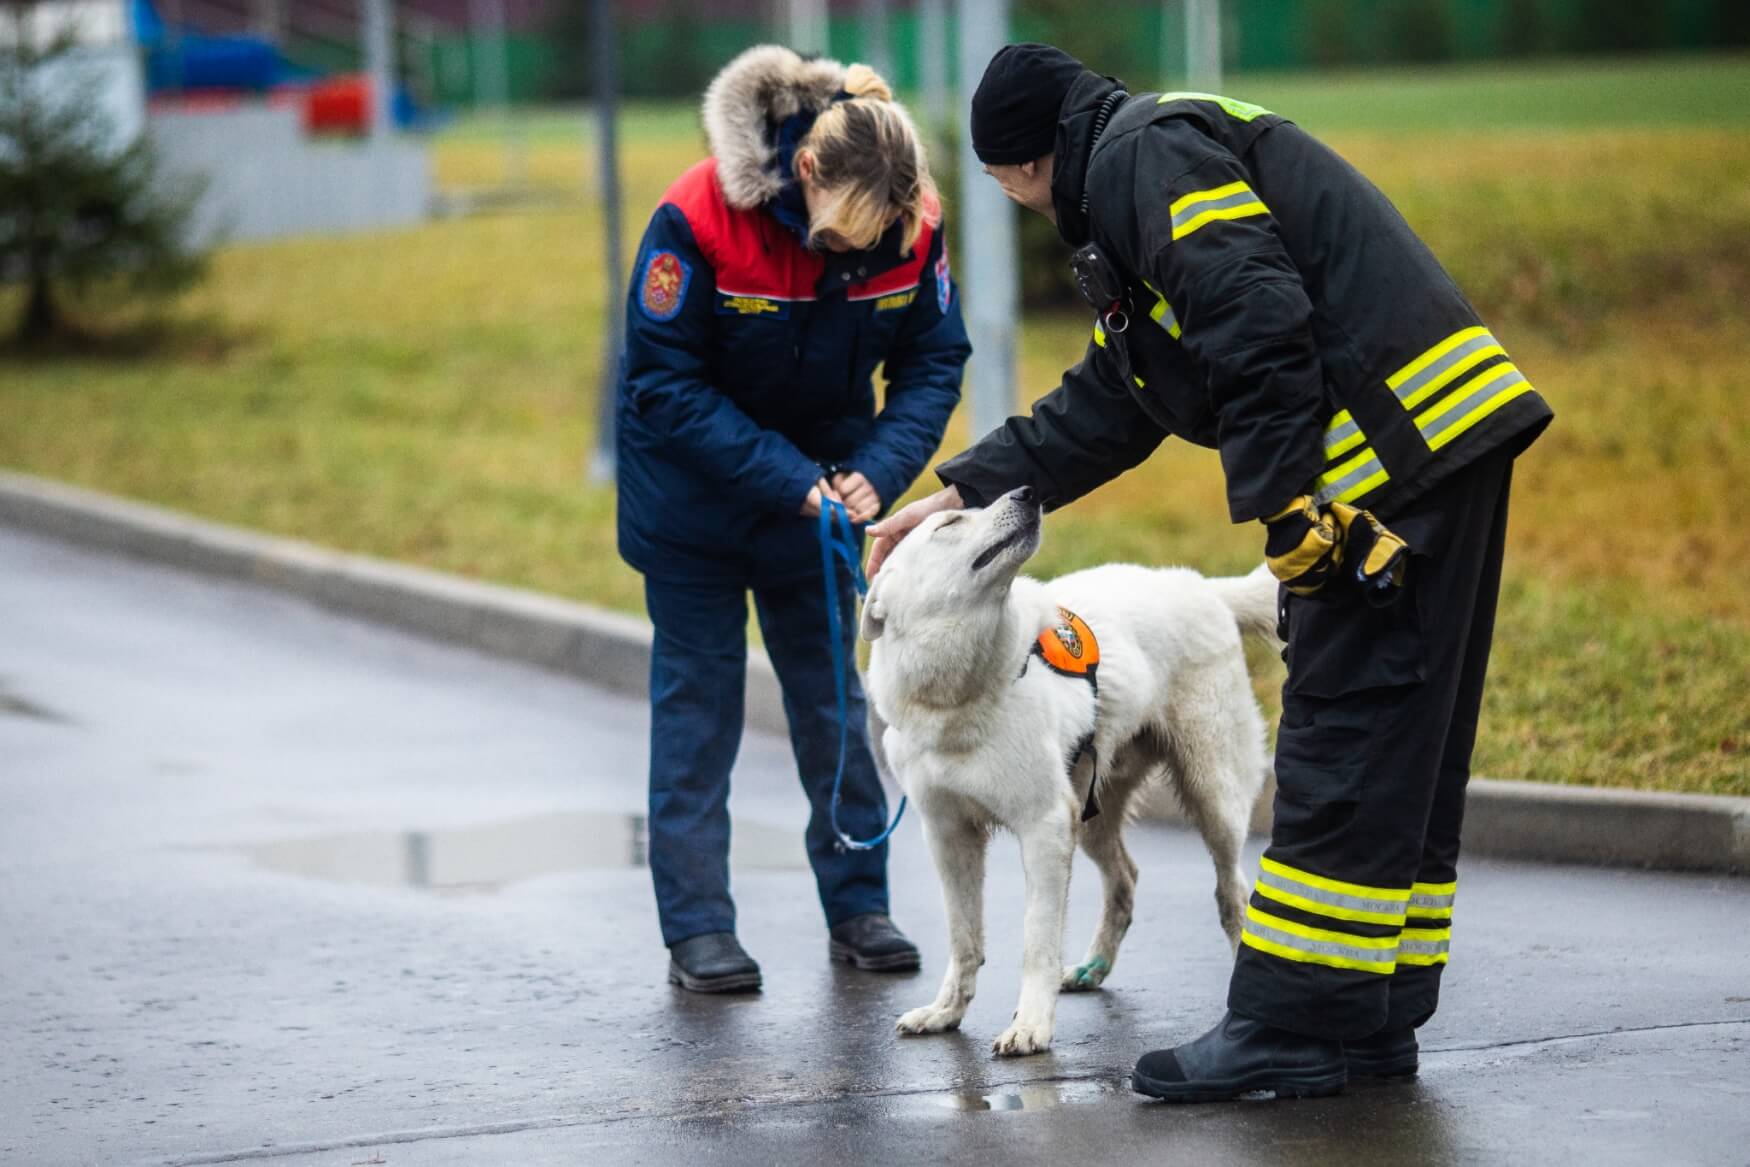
column 712, row 963
column 1390, row 1053
column 872, row 942
column 1241, row 1056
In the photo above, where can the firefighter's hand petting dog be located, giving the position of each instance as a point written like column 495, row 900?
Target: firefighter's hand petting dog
column 894, row 527
column 1307, row 545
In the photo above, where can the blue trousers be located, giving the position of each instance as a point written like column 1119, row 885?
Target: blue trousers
column 698, row 670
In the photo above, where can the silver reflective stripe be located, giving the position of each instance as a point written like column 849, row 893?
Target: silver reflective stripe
column 1423, row 900
column 1237, row 199
column 1485, row 387
column 1321, row 947
column 1409, row 947
column 1336, row 488
column 1335, row 437
column 1393, row 910
column 1408, row 389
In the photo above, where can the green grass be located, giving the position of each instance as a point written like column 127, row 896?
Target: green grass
column 427, row 395
column 1630, row 93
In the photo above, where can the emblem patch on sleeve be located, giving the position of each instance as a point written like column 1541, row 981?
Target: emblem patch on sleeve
column 665, row 285
column 944, row 285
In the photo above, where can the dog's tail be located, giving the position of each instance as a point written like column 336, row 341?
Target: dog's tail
column 1252, row 600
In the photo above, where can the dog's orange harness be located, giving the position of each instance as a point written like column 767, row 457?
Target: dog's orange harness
column 1070, row 649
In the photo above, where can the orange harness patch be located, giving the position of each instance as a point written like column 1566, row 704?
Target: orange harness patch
column 1070, row 648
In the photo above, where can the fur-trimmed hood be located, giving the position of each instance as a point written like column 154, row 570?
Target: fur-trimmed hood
column 756, row 91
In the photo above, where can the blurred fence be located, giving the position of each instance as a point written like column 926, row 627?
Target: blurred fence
column 670, row 48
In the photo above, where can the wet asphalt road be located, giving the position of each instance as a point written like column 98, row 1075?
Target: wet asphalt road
column 278, row 884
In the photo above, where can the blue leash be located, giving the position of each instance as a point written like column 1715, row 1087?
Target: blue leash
column 839, row 541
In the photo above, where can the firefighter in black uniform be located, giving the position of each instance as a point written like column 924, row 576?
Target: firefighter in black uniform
column 1255, row 294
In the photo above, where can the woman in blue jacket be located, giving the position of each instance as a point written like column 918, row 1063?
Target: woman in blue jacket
column 772, row 281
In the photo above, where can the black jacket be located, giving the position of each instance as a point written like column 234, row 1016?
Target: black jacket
column 1282, row 312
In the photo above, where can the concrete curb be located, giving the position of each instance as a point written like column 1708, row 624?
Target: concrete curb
column 1521, row 820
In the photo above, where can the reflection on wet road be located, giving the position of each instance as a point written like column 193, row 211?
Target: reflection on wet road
column 489, row 856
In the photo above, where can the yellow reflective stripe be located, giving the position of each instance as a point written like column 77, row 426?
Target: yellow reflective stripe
column 1205, row 196
column 1427, row 935
column 1099, row 334
column 1297, row 942
column 1448, row 375
column 1277, row 867
column 1347, row 441
column 1287, row 953
column 1334, row 911
column 1242, row 211
column 1424, row 946
column 1423, row 912
column 1517, row 388
column 1138, row 381
column 1352, row 479
column 1434, row 889
column 1382, row 944
column 1162, row 313
column 1433, row 354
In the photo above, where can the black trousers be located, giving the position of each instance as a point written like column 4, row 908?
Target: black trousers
column 1349, row 925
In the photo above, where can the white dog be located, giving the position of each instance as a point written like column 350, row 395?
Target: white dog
column 994, row 719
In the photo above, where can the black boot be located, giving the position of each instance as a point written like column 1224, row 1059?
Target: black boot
column 1237, row 1057
column 872, row 942
column 712, row 963
column 1390, row 1053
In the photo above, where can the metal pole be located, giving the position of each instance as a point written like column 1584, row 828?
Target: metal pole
column 379, row 33
column 1203, row 45
column 270, row 20
column 987, row 227
column 933, row 63
column 876, row 52
column 613, row 332
column 808, row 29
column 492, row 81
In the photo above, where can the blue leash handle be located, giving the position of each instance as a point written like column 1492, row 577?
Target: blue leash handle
column 839, row 541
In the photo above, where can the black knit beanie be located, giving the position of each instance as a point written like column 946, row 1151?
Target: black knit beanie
column 1014, row 112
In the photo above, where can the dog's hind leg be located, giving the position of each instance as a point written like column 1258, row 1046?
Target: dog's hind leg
column 1218, row 801
column 958, row 847
column 1047, row 847
column 1103, row 840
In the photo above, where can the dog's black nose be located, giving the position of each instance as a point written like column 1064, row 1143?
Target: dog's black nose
column 1025, row 494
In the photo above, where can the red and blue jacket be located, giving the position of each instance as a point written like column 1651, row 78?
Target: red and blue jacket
column 749, row 373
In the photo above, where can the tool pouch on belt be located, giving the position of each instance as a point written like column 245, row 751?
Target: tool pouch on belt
column 1306, row 546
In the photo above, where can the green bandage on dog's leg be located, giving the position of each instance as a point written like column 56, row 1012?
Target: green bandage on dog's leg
column 1089, row 969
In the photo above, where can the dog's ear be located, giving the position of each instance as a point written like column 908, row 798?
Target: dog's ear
column 874, row 614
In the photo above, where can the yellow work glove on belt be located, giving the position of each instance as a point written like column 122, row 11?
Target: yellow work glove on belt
column 1306, row 545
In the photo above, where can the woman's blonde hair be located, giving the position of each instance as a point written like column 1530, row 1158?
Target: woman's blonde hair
column 870, row 166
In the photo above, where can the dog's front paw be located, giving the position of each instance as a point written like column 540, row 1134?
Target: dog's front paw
column 929, row 1019
column 1090, row 974
column 1022, row 1038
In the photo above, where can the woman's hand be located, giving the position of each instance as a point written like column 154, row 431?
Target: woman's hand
column 896, row 526
column 811, row 504
column 859, row 496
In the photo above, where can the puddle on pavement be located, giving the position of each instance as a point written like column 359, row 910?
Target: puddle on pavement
column 1032, row 1096
column 486, row 857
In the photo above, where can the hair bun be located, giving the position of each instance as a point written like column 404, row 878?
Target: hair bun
column 862, row 81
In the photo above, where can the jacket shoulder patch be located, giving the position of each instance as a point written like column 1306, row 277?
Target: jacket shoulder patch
column 664, row 288
column 944, row 284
